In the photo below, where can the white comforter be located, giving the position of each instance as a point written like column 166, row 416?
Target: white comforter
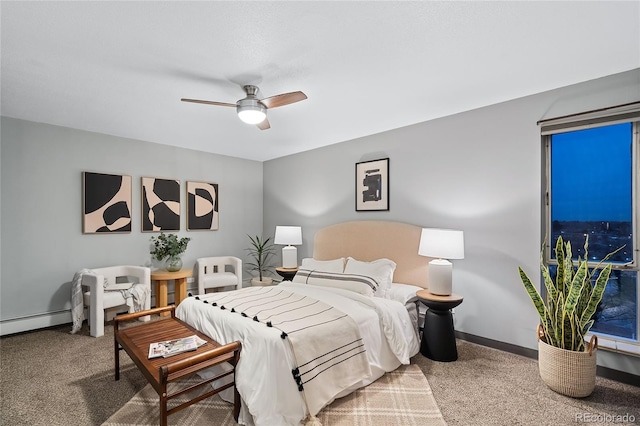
column 270, row 396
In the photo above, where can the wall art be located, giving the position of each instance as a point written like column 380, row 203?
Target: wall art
column 372, row 185
column 202, row 206
column 160, row 204
column 106, row 203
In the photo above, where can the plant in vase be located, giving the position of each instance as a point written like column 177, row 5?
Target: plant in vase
column 567, row 363
column 261, row 250
column 170, row 247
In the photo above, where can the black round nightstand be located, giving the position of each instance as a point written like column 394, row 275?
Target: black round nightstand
column 438, row 336
column 287, row 274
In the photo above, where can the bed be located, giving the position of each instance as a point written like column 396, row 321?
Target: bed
column 343, row 299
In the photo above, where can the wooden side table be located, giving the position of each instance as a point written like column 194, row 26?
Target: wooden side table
column 162, row 277
column 287, row 273
column 159, row 372
column 438, row 336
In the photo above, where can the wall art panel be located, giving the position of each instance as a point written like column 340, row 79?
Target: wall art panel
column 202, row 206
column 160, row 204
column 106, row 203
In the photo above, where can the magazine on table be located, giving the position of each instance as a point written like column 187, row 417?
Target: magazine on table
column 176, row 346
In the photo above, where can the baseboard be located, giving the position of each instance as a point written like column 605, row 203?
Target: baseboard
column 608, row 373
column 34, row 322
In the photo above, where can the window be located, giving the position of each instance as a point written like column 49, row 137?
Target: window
column 592, row 190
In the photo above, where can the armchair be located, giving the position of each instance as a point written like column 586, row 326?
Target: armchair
column 97, row 300
column 213, row 272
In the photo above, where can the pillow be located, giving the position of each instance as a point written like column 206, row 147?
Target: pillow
column 403, row 293
column 336, row 265
column 358, row 283
column 381, row 270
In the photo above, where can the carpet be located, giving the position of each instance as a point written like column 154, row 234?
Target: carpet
column 400, row 398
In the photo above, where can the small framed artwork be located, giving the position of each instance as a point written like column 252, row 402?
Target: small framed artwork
column 160, row 204
column 106, row 203
column 202, row 206
column 372, row 185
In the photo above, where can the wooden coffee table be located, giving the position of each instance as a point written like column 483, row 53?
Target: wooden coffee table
column 135, row 340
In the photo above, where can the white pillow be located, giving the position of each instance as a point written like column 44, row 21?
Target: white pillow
column 335, row 265
column 381, row 270
column 403, row 293
column 359, row 283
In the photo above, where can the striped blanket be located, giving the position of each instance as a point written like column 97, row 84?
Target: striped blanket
column 325, row 342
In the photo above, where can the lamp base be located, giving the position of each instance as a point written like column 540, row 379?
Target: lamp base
column 289, row 257
column 440, row 277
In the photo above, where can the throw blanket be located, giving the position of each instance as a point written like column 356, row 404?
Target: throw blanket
column 325, row 342
column 134, row 297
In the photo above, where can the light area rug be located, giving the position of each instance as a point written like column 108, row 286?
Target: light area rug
column 400, row 398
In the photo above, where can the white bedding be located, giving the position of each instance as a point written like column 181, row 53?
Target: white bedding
column 270, row 396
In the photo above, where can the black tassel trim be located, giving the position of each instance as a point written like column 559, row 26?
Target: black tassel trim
column 214, row 304
column 295, row 372
column 197, row 298
column 300, row 388
column 205, row 301
column 243, row 314
column 233, row 309
column 283, row 335
column 256, row 319
column 269, row 324
column 189, row 294
column 222, row 307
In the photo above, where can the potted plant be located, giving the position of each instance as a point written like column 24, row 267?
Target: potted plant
column 261, row 251
column 567, row 363
column 170, row 247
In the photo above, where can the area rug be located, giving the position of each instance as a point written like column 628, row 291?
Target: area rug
column 400, row 398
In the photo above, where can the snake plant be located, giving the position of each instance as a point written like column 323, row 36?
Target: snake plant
column 571, row 300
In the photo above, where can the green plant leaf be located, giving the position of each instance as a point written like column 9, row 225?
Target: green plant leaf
column 596, row 295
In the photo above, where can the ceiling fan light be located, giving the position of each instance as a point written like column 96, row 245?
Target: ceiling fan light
column 252, row 114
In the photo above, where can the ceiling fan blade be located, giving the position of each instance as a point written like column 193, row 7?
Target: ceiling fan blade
column 264, row 124
column 283, row 99
column 197, row 101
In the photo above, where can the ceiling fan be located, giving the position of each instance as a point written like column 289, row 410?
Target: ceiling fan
column 252, row 110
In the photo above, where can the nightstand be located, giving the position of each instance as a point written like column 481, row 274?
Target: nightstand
column 438, row 336
column 287, row 274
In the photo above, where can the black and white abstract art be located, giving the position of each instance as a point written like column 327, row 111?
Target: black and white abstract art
column 372, row 185
column 202, row 206
column 160, row 204
column 106, row 203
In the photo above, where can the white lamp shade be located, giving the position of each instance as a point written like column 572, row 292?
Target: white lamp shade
column 442, row 243
column 288, row 235
column 252, row 114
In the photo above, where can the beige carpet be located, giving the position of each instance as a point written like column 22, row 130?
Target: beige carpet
column 400, row 398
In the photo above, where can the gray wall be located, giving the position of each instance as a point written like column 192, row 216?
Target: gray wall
column 42, row 242
column 479, row 171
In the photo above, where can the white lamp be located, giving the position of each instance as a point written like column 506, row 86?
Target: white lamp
column 441, row 244
column 289, row 235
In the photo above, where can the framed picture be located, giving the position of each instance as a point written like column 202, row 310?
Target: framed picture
column 202, row 206
column 106, row 203
column 372, row 185
column 160, row 204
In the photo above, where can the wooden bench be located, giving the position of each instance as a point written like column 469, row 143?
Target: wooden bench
column 135, row 340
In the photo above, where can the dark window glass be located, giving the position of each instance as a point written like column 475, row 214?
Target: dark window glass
column 591, row 192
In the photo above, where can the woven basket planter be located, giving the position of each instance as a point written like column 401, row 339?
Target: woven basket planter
column 569, row 373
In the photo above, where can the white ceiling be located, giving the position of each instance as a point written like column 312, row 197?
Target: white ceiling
column 120, row 68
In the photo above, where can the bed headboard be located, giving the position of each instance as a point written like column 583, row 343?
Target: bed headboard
column 370, row 240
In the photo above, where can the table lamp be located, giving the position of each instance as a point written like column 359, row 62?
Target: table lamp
column 290, row 236
column 441, row 244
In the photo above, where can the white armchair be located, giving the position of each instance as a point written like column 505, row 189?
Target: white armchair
column 222, row 271
column 97, row 300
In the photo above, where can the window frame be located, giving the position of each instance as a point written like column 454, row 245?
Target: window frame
column 628, row 113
